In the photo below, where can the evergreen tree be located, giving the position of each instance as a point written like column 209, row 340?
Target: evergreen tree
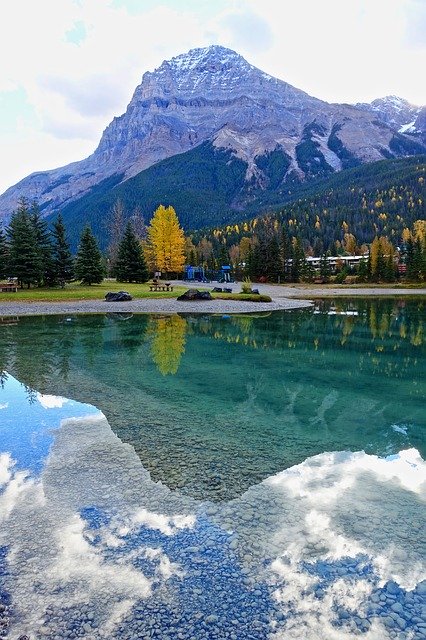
column 363, row 270
column 298, row 264
column 24, row 257
column 274, row 265
column 286, row 251
column 409, row 260
column 43, row 247
column 3, row 254
column 415, row 260
column 130, row 264
column 88, row 262
column 369, row 267
column 325, row 270
column 389, row 270
column 62, row 258
column 380, row 274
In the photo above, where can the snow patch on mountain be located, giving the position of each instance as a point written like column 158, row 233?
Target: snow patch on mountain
column 408, row 128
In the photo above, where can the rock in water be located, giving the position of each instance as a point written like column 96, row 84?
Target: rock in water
column 194, row 294
column 117, row 296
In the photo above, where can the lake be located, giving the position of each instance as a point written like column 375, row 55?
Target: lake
column 214, row 476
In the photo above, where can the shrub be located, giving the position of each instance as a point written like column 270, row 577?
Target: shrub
column 246, row 286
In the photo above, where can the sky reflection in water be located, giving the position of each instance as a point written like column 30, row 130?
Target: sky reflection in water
column 91, row 545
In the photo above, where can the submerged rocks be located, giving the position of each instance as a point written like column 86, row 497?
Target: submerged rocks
column 117, row 296
column 195, row 294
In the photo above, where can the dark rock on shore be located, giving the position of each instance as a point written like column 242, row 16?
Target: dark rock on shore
column 194, row 294
column 117, row 296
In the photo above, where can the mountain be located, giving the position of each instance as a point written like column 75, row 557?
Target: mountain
column 399, row 114
column 211, row 101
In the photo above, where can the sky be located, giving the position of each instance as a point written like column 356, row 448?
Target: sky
column 69, row 66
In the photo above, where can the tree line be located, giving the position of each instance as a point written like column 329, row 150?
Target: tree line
column 37, row 254
column 269, row 250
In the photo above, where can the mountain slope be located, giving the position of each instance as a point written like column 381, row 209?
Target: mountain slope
column 380, row 198
column 207, row 187
column 214, row 95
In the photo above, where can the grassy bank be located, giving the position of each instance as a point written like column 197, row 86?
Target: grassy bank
column 246, row 297
column 97, row 292
column 83, row 292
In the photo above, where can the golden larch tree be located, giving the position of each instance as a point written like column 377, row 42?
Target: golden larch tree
column 166, row 241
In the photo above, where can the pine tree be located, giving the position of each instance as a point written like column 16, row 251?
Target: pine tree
column 130, row 265
column 62, row 259
column 115, row 226
column 3, row 254
column 88, row 263
column 409, row 260
column 286, row 251
column 415, row 265
column 298, row 264
column 325, row 270
column 363, row 270
column 166, row 241
column 24, row 257
column 43, row 247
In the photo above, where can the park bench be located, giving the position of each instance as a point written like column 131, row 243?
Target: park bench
column 8, row 287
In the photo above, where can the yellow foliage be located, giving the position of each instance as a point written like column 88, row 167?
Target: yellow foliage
column 168, row 342
column 245, row 244
column 406, row 234
column 419, row 228
column 166, row 241
column 349, row 243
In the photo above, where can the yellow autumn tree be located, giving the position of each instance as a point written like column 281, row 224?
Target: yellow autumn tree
column 166, row 241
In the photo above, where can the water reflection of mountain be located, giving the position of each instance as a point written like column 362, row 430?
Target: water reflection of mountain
column 215, row 404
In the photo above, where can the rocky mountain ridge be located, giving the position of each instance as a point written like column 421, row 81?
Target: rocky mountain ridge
column 213, row 94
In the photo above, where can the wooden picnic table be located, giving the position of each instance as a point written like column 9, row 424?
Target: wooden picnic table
column 160, row 287
column 8, row 287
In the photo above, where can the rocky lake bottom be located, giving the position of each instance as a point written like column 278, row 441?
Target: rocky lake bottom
column 181, row 477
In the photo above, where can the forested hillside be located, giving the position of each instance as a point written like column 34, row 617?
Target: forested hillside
column 207, row 188
column 379, row 199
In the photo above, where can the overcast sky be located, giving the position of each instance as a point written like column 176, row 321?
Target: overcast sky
column 69, row 66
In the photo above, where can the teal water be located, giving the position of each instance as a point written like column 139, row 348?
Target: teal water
column 214, row 476
column 213, row 405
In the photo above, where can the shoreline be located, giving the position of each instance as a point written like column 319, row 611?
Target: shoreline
column 148, row 305
column 284, row 298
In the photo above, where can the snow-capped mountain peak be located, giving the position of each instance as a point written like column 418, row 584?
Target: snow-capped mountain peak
column 213, row 95
column 394, row 111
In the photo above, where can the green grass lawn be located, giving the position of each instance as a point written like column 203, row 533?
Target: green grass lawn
column 75, row 291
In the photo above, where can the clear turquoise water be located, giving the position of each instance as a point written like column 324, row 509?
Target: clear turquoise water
column 214, row 476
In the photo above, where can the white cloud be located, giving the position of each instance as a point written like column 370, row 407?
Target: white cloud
column 168, row 525
column 51, row 402
column 5, row 468
column 4, row 405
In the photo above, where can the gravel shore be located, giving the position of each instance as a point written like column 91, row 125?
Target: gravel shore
column 147, row 305
column 283, row 297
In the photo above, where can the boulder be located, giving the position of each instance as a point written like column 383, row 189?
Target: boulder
column 194, row 294
column 117, row 296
